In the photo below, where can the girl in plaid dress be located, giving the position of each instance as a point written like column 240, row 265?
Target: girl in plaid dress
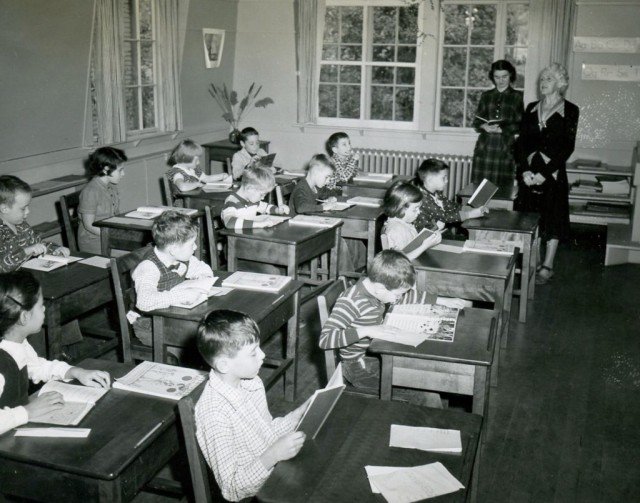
column 493, row 155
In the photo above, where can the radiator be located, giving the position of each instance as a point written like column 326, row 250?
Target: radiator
column 406, row 163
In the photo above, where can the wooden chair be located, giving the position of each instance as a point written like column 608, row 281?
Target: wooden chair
column 228, row 167
column 70, row 219
column 326, row 300
column 169, row 193
column 123, row 288
column 212, row 239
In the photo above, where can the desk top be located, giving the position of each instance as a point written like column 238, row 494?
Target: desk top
column 70, row 278
column 508, row 193
column 57, row 184
column 476, row 264
column 118, row 422
column 121, row 221
column 378, row 185
column 353, row 213
column 255, row 304
column 331, row 467
column 283, row 233
column 222, row 194
column 227, row 145
column 506, row 221
column 473, row 342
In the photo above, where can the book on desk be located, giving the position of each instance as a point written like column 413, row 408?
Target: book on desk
column 314, row 221
column 256, row 281
column 372, row 202
column 421, row 322
column 78, row 401
column 490, row 246
column 48, row 262
column 373, row 177
column 151, row 212
column 160, row 380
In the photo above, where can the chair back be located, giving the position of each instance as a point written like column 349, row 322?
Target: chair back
column 228, row 167
column 124, row 291
column 169, row 195
column 326, row 300
column 212, row 239
column 70, row 219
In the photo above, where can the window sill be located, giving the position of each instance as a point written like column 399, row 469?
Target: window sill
column 464, row 134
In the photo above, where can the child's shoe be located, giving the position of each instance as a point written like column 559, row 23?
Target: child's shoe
column 355, row 372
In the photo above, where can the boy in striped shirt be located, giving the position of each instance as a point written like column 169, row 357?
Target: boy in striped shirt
column 245, row 209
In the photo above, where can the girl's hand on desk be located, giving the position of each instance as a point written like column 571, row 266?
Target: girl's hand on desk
column 62, row 252
column 43, row 405
column 91, row 378
column 35, row 250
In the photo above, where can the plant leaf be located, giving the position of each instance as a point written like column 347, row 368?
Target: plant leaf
column 244, row 103
column 228, row 116
column 233, row 99
column 251, row 88
column 264, row 102
column 257, row 92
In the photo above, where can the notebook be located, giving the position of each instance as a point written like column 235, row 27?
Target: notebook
column 483, row 194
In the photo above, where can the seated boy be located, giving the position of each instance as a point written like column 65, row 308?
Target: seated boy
column 345, row 161
column 162, row 276
column 18, row 241
column 236, row 433
column 358, row 314
column 250, row 141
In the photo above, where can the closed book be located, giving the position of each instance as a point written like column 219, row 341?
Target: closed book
column 372, row 202
column 151, row 212
column 483, row 194
column 256, row 281
column 314, row 221
column 322, row 403
column 158, row 379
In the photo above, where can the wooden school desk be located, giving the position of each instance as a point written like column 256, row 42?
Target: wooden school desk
column 462, row 366
column 69, row 292
column 126, row 233
column 360, row 222
column 222, row 150
column 285, row 245
column 132, row 437
column 356, row 434
column 472, row 276
column 175, row 326
column 504, row 198
column 370, row 189
column 513, row 226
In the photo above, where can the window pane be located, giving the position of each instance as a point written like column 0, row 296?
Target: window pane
column 406, row 76
column 350, row 102
column 350, row 52
column 455, row 28
column 480, row 60
column 146, row 62
column 404, row 104
column 328, row 100
column 331, row 24
column 407, row 54
column 130, row 60
column 146, row 19
column 350, row 74
column 381, row 103
column 518, row 57
column 454, row 63
column 383, row 53
column 351, row 24
column 329, row 73
column 408, row 24
column 451, row 107
column 382, row 75
column 384, row 25
column 484, row 24
column 473, row 98
column 517, row 24
column 330, row 52
column 131, row 100
column 129, row 18
column 148, row 107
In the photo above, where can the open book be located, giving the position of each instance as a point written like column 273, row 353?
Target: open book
column 78, row 401
column 266, row 161
column 339, row 206
column 322, row 403
column 423, row 322
column 483, row 194
column 151, row 212
column 417, row 242
column 48, row 263
column 373, row 177
column 217, row 186
column 314, row 221
column 158, row 379
column 490, row 246
column 373, row 202
column 491, row 122
column 205, row 285
column 256, row 281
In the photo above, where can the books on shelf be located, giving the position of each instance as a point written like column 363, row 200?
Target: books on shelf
column 48, row 262
column 373, row 177
column 489, row 246
column 417, row 242
column 322, row 403
column 584, row 186
column 151, row 212
column 158, row 379
column 314, row 221
column 78, row 401
column 586, row 164
column 483, row 194
column 614, row 185
column 256, row 281
column 372, row 202
column 421, row 322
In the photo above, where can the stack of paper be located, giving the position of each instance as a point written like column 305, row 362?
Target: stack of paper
column 425, row 439
column 405, row 485
column 615, row 185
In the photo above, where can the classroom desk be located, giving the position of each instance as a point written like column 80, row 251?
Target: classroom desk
column 222, row 150
column 370, row 189
column 70, row 292
column 359, row 222
column 503, row 199
column 126, row 233
column 285, row 245
column 463, row 366
column 125, row 450
column 331, row 467
column 472, row 276
column 516, row 226
column 177, row 327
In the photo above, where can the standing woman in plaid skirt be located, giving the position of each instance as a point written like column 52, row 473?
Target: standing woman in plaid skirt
column 503, row 106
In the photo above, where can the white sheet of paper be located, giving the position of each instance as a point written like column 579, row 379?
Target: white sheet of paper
column 379, row 470
column 219, row 291
column 96, row 261
column 424, row 438
column 408, row 338
column 202, row 284
column 53, row 432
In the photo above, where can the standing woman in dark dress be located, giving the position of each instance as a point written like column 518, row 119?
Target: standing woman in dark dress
column 547, row 139
column 493, row 155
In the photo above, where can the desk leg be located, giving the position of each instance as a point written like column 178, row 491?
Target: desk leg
column 334, row 259
column 535, row 259
column 386, row 377
column 201, row 232
column 371, row 243
column 506, row 311
column 232, row 260
column 158, row 339
column 481, row 392
column 53, row 339
column 291, row 375
column 207, row 161
column 292, row 261
column 105, row 241
column 525, row 276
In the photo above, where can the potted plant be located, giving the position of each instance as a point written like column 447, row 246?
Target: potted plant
column 233, row 110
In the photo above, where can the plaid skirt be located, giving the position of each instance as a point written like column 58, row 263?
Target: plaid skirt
column 493, row 160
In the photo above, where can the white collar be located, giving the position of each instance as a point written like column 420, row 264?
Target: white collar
column 559, row 108
column 17, row 351
column 165, row 258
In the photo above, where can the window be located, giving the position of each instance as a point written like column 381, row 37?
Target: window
column 369, row 63
column 473, row 35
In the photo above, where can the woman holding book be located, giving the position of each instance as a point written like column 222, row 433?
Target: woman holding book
column 498, row 122
column 547, row 139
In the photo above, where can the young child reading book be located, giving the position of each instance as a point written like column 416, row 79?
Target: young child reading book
column 21, row 315
column 236, row 433
column 100, row 198
column 401, row 204
column 250, row 141
column 18, row 241
column 164, row 275
column 185, row 172
column 432, row 177
column 345, row 161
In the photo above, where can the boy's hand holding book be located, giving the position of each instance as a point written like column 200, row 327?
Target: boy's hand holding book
column 43, row 405
column 478, row 212
column 91, row 378
column 282, row 210
column 374, row 331
column 286, row 447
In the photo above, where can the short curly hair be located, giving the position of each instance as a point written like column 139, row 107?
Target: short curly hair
column 559, row 73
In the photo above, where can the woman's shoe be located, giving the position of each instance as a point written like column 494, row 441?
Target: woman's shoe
column 544, row 275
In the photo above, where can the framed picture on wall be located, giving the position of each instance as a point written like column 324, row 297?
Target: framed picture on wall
column 213, row 44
